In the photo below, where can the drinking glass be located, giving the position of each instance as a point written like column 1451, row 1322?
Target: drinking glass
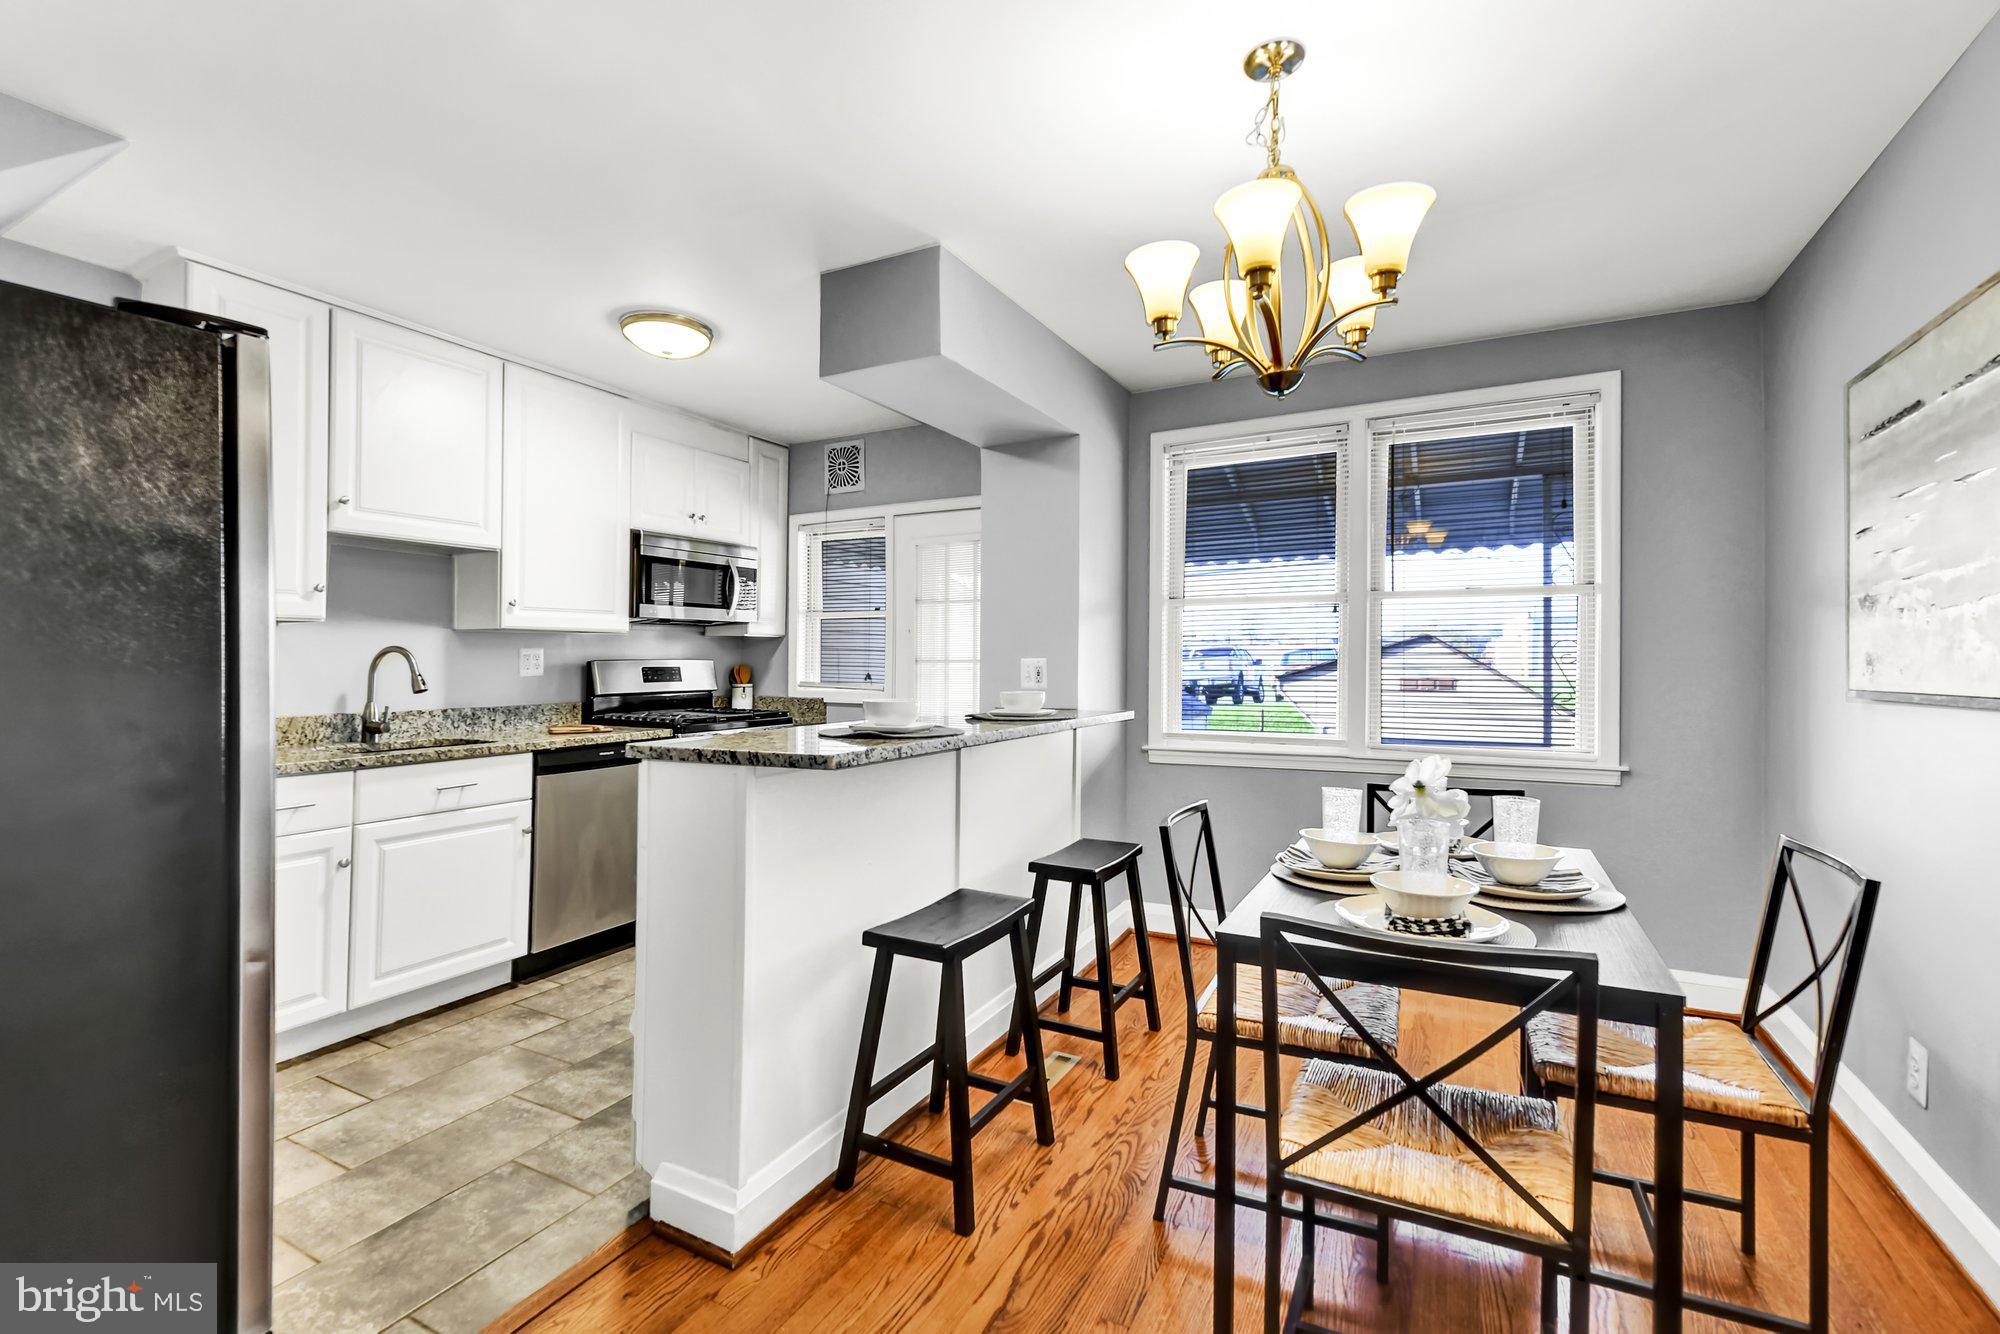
column 1426, row 848
column 1517, row 820
column 1340, row 810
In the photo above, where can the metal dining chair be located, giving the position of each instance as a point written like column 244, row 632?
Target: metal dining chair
column 1495, row 1167
column 1302, row 1023
column 1379, row 800
column 1734, row 1076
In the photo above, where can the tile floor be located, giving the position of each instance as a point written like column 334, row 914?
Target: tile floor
column 436, row 1172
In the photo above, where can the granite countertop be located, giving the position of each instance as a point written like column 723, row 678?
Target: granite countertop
column 809, row 748
column 315, row 743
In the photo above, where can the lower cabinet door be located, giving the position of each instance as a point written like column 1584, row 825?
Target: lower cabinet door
column 438, row 896
column 309, row 971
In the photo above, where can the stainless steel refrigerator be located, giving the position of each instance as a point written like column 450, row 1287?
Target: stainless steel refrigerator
column 135, row 791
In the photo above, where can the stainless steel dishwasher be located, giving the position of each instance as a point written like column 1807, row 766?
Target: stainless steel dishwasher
column 586, row 873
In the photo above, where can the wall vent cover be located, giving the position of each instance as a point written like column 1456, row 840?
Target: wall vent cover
column 845, row 468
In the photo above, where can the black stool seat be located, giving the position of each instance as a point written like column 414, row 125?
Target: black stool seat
column 1087, row 858
column 947, row 933
column 960, row 923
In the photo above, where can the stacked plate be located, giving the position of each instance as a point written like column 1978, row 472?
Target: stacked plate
column 1298, row 867
column 1372, row 913
column 1565, row 889
column 999, row 715
column 891, row 731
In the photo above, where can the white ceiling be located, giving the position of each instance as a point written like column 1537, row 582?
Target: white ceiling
column 520, row 172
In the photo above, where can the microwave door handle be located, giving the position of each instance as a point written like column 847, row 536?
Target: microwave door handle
column 729, row 586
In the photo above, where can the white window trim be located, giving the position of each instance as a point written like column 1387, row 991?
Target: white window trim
column 887, row 516
column 1352, row 754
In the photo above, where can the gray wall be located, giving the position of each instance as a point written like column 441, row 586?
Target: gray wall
column 1693, row 615
column 34, row 267
column 1872, row 780
column 377, row 596
column 910, row 464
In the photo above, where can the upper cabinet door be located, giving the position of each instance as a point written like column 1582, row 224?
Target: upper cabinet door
column 298, row 328
column 416, row 436
column 663, row 483
column 722, row 497
column 565, row 563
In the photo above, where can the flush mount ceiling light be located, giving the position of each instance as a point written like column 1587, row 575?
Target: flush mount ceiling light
column 663, row 334
column 1242, row 314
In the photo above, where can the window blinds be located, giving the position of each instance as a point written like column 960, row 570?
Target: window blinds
column 844, row 616
column 1254, row 579
column 1483, row 577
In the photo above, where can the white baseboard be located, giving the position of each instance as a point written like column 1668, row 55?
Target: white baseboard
column 732, row 1217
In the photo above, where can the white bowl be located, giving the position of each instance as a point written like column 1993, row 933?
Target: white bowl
column 1022, row 701
column 890, row 712
column 1338, row 851
column 1446, row 897
column 1518, row 864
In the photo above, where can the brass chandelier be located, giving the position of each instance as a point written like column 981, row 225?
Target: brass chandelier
column 1242, row 314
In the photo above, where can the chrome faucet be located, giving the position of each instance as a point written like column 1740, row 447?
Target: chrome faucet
column 375, row 717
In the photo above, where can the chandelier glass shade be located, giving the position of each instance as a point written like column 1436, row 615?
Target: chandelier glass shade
column 1242, row 315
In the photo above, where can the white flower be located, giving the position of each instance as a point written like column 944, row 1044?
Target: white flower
column 1422, row 792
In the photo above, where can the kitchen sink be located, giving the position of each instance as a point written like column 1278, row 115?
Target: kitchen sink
column 385, row 747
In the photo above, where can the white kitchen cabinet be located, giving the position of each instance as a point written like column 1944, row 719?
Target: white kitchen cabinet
column 416, row 437
column 299, row 329
column 769, row 530
column 565, row 558
column 309, row 966
column 436, row 896
column 685, row 491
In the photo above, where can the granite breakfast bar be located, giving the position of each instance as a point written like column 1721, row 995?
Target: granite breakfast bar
column 762, row 857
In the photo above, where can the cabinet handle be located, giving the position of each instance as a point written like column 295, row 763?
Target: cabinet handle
column 344, row 863
column 513, row 602
column 319, row 588
column 453, row 787
column 527, row 829
column 701, row 518
column 343, row 500
column 297, row 806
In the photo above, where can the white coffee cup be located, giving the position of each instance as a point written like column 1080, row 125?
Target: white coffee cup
column 890, row 712
column 1022, row 701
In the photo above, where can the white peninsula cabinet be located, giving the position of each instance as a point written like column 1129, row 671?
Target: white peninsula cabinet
column 299, row 332
column 416, row 444
column 685, row 490
column 565, row 552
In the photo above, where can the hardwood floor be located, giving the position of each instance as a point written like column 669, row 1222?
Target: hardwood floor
column 1066, row 1239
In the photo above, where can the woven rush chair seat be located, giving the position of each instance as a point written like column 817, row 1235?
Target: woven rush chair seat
column 1723, row 1071
column 1306, row 1019
column 1408, row 1155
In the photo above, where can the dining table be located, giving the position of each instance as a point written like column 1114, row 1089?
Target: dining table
column 1635, row 986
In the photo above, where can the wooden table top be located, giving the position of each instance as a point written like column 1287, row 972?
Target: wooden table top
column 1631, row 972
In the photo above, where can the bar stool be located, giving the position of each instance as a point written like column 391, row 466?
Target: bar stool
column 1085, row 866
column 947, row 932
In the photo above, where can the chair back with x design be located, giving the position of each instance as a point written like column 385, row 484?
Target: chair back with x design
column 1528, row 981
column 1191, row 826
column 1840, row 955
column 1380, row 804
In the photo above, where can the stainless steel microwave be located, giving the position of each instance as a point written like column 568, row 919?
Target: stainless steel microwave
column 686, row 581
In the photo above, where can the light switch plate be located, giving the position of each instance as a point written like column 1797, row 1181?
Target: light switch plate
column 1917, row 1078
column 531, row 662
column 1034, row 673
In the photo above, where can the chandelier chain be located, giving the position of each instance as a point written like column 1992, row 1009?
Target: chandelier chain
column 1268, row 129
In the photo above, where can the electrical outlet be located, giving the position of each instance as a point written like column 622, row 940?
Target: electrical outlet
column 1034, row 673
column 531, row 662
column 1917, row 1076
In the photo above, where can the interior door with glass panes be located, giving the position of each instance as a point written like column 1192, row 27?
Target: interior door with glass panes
column 937, row 612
